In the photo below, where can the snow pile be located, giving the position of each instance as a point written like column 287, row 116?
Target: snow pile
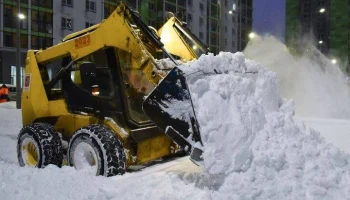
column 250, row 137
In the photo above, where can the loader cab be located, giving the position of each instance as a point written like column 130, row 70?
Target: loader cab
column 105, row 84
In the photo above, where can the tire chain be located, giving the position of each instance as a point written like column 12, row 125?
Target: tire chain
column 116, row 158
column 49, row 141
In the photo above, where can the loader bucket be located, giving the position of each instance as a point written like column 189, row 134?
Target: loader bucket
column 170, row 107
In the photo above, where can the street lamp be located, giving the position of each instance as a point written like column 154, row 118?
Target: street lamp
column 320, row 42
column 18, row 67
column 322, row 10
column 251, row 35
column 21, row 16
column 334, row 61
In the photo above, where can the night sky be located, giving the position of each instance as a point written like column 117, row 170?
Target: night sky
column 269, row 17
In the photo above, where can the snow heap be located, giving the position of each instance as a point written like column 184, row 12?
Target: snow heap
column 251, row 139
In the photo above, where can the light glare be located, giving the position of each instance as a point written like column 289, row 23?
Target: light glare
column 251, row 35
column 21, row 16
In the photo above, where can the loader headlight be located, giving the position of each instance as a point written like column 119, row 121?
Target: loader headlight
column 95, row 91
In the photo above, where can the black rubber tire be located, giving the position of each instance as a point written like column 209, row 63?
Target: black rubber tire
column 110, row 151
column 48, row 142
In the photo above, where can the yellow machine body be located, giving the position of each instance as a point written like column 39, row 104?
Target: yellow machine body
column 132, row 50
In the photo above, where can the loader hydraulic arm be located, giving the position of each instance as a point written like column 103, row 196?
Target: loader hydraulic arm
column 180, row 41
column 115, row 31
column 150, row 34
column 58, row 76
column 182, row 28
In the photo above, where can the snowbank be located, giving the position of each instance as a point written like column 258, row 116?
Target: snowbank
column 250, row 136
column 10, row 124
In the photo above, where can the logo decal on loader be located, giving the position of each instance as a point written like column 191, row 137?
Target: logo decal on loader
column 27, row 80
column 82, row 41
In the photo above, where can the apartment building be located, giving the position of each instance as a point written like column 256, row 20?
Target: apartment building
column 326, row 21
column 36, row 32
column 245, row 19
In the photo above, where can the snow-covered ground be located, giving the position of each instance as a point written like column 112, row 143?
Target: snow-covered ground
column 336, row 131
column 255, row 148
column 177, row 179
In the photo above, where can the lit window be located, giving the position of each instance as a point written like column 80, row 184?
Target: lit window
column 14, row 77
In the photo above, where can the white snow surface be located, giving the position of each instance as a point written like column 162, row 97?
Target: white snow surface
column 253, row 149
column 250, row 136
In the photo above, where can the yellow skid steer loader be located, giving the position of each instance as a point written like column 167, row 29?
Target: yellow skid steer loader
column 103, row 111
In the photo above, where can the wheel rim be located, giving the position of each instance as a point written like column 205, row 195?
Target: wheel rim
column 30, row 152
column 85, row 158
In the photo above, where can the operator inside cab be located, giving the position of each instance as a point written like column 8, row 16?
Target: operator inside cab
column 4, row 94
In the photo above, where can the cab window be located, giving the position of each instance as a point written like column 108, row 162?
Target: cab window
column 100, row 84
column 136, row 87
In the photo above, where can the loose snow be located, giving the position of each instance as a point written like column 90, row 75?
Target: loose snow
column 253, row 148
column 317, row 86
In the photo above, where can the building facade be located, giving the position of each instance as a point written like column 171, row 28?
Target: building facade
column 223, row 25
column 245, row 21
column 36, row 32
column 327, row 22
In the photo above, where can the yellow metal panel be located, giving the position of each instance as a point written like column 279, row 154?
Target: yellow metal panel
column 83, row 120
column 58, row 107
column 153, row 148
column 67, row 124
column 81, row 32
column 112, row 32
column 33, row 99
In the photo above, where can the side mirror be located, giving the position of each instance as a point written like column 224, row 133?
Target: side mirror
column 88, row 75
